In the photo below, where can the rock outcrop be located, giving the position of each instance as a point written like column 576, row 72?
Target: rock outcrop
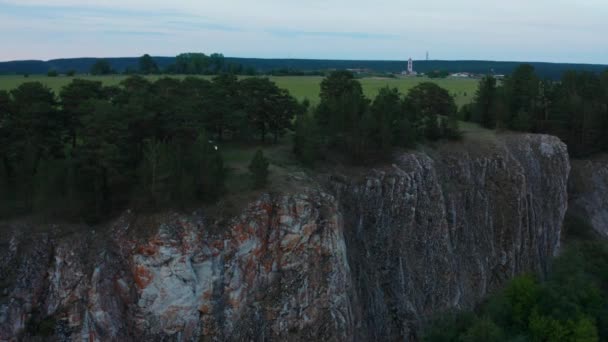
column 349, row 258
column 589, row 192
column 440, row 231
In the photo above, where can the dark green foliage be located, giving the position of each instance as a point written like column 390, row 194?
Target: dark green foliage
column 522, row 88
column 448, row 327
column 199, row 63
column 297, row 67
column 52, row 73
column 432, row 131
column 225, row 105
column 485, row 102
column 437, row 74
column 343, row 115
column 570, row 305
column 101, row 159
column 450, row 128
column 259, row 170
column 521, row 122
column 172, row 174
column 483, row 330
column 269, row 109
column 101, row 149
column 101, row 67
column 575, row 108
column 307, row 139
column 147, row 65
column 367, row 131
column 466, row 112
column 385, row 128
column 74, row 99
column 430, row 99
column 70, row 73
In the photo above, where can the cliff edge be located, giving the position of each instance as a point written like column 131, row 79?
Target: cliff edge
column 348, row 258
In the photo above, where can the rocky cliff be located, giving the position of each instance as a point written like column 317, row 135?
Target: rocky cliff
column 349, row 257
column 589, row 192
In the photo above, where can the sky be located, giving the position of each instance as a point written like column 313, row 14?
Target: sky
column 515, row 30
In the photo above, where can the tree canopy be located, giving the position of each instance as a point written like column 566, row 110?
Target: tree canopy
column 101, row 67
column 96, row 149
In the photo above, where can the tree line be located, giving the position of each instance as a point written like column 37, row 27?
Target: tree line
column 94, row 149
column 346, row 123
column 575, row 108
column 185, row 64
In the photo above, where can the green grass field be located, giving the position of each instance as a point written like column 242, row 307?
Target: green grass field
column 301, row 87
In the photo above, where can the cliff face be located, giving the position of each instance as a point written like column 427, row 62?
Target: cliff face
column 589, row 192
column 278, row 271
column 430, row 234
column 357, row 258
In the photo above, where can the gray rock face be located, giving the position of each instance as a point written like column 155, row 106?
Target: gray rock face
column 430, row 234
column 357, row 258
column 589, row 192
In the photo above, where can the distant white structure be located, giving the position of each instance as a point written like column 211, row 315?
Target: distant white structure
column 410, row 69
column 461, row 75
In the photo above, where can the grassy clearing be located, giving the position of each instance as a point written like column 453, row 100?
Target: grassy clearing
column 301, row 87
column 475, row 132
column 238, row 156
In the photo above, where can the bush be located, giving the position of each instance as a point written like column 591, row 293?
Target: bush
column 259, row 170
column 52, row 73
column 570, row 305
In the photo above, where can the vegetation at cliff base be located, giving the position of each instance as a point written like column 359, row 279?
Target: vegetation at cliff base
column 570, row 304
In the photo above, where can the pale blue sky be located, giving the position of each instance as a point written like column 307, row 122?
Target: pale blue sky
column 519, row 30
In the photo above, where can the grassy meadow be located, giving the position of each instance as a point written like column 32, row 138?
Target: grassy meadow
column 301, row 87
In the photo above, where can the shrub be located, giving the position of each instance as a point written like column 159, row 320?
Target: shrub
column 259, row 170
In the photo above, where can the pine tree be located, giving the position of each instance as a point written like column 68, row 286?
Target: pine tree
column 522, row 122
column 485, row 99
column 208, row 169
column 156, row 171
column 307, row 139
column 259, row 170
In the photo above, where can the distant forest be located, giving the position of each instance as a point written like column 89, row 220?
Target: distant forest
column 83, row 65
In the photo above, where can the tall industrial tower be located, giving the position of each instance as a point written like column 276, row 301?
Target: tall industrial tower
column 410, row 66
column 427, row 56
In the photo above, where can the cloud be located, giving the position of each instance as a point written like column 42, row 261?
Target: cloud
column 555, row 30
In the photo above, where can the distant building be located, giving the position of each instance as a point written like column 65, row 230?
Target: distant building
column 461, row 75
column 410, row 69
